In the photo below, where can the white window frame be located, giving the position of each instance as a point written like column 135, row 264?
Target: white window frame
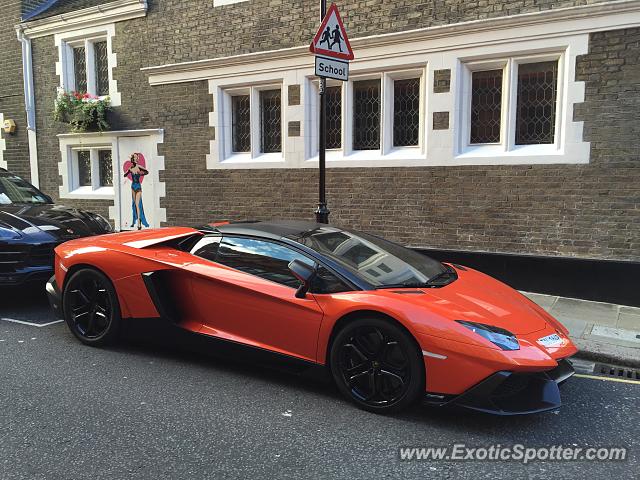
column 387, row 150
column 90, row 57
column 95, row 189
column 255, row 154
column 86, row 38
column 507, row 144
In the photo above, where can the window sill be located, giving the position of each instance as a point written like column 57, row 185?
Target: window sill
column 402, row 156
column 245, row 160
column 88, row 193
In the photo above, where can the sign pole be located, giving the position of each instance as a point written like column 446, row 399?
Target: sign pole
column 322, row 212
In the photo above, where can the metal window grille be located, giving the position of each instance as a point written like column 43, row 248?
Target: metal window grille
column 334, row 117
column 84, row 168
column 102, row 68
column 241, row 123
column 80, row 69
column 105, row 169
column 486, row 106
column 536, row 106
column 406, row 112
column 366, row 115
column 270, row 121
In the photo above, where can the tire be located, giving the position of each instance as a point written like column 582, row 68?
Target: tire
column 91, row 308
column 377, row 365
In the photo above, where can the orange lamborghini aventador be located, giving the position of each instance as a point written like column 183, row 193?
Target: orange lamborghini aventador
column 392, row 325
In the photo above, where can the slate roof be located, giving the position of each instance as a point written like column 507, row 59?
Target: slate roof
column 51, row 8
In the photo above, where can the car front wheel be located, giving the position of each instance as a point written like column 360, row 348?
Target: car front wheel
column 377, row 365
column 91, row 308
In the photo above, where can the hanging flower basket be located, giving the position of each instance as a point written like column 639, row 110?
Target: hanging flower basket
column 82, row 111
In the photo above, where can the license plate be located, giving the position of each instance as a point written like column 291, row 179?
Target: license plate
column 550, row 340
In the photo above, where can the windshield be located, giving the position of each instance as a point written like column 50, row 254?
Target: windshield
column 379, row 262
column 13, row 189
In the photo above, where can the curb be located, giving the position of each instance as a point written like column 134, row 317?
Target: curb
column 607, row 353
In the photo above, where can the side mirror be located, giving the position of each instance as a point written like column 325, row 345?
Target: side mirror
column 303, row 272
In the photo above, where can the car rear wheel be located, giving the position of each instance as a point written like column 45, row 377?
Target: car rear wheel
column 377, row 365
column 91, row 308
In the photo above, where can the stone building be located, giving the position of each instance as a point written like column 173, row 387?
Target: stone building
column 473, row 126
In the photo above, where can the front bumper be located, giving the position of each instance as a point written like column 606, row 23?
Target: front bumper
column 26, row 275
column 511, row 393
column 55, row 297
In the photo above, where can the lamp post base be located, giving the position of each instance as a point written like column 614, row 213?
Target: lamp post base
column 322, row 213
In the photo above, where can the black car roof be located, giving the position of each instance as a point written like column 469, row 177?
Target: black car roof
column 274, row 229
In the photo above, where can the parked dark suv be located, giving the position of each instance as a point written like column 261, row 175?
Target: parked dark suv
column 31, row 226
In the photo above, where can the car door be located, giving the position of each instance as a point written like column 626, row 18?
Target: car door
column 245, row 293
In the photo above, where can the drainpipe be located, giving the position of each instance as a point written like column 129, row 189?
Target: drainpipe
column 29, row 102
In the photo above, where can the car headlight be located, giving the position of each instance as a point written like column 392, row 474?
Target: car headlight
column 103, row 222
column 7, row 234
column 498, row 336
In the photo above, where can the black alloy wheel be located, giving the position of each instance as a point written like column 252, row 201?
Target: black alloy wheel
column 377, row 365
column 91, row 308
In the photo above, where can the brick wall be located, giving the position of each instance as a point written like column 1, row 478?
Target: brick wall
column 582, row 210
column 11, row 89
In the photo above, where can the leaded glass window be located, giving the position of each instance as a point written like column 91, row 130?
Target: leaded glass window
column 406, row 112
column 241, row 123
column 486, row 106
column 105, row 168
column 80, row 69
column 536, row 106
column 84, row 168
column 270, row 121
column 334, row 116
column 102, row 68
column 366, row 115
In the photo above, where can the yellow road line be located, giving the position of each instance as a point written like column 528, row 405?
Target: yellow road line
column 607, row 379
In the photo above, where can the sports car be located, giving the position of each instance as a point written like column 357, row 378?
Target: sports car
column 31, row 226
column 391, row 325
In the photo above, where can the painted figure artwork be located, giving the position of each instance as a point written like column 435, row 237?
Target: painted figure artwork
column 135, row 170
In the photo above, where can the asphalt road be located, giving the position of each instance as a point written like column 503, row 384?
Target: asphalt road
column 151, row 408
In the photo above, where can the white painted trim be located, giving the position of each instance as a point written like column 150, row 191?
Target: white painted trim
column 33, row 157
column 87, row 17
column 551, row 23
column 119, row 133
column 29, row 102
column 70, row 141
column 64, row 65
column 221, row 156
column 3, row 143
column 219, row 3
column 440, row 146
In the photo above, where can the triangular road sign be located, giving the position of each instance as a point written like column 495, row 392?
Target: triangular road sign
column 331, row 39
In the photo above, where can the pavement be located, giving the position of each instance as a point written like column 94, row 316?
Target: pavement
column 603, row 332
column 161, row 404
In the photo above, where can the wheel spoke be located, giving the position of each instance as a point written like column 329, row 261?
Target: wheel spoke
column 372, row 386
column 356, row 350
column 91, row 322
column 83, row 296
column 80, row 310
column 354, row 378
column 382, row 343
column 391, row 375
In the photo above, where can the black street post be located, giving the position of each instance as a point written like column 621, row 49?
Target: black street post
column 322, row 212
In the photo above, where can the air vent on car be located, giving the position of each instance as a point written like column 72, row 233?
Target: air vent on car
column 409, row 292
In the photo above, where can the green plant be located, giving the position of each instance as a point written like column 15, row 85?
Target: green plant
column 82, row 111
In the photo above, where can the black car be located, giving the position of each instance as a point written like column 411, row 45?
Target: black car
column 31, row 226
